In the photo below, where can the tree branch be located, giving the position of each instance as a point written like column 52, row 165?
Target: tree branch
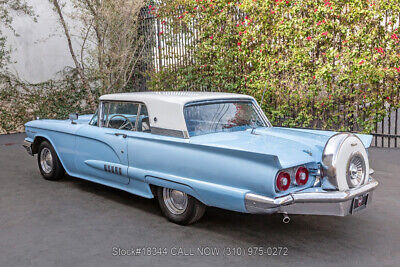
column 78, row 66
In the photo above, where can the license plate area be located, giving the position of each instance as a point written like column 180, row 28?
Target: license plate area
column 359, row 203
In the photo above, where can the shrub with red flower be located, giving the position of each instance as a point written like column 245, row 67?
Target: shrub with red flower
column 380, row 50
column 316, row 58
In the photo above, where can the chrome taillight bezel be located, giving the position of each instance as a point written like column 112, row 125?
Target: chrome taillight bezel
column 292, row 174
column 281, row 175
column 296, row 178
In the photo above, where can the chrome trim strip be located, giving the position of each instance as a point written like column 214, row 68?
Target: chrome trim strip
column 100, row 115
column 138, row 116
column 261, row 204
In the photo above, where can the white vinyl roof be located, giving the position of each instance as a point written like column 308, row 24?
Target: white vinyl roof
column 167, row 107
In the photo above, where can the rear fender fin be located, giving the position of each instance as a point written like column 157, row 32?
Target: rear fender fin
column 172, row 185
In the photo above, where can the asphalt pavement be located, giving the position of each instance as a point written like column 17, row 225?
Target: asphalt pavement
column 75, row 222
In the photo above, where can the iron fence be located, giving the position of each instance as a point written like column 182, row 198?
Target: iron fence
column 387, row 132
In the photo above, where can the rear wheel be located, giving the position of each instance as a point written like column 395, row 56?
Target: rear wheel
column 179, row 207
column 49, row 164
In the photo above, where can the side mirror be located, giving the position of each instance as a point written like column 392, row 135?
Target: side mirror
column 73, row 117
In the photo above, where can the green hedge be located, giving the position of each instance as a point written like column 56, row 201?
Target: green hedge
column 21, row 102
column 329, row 64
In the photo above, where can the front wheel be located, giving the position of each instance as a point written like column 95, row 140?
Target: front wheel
column 49, row 164
column 179, row 207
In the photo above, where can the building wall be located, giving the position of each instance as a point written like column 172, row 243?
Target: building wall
column 41, row 49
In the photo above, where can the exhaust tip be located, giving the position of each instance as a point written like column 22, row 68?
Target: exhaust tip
column 286, row 218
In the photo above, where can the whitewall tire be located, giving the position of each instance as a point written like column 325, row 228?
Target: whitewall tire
column 345, row 160
column 49, row 164
column 179, row 207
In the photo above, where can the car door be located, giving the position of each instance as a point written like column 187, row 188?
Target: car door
column 101, row 146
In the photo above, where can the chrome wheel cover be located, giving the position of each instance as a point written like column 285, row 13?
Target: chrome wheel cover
column 355, row 170
column 175, row 201
column 46, row 160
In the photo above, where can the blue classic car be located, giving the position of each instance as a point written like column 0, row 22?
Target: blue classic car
column 195, row 149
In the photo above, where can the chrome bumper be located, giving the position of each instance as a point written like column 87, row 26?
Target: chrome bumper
column 337, row 203
column 28, row 146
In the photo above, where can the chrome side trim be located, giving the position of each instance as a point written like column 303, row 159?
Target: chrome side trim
column 331, row 203
column 28, row 146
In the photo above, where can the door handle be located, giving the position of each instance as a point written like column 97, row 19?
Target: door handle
column 120, row 134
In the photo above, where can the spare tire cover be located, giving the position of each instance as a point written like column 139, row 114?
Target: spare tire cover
column 345, row 161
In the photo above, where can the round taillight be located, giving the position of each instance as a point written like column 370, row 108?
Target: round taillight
column 301, row 176
column 283, row 181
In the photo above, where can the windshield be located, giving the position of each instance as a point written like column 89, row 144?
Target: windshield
column 221, row 117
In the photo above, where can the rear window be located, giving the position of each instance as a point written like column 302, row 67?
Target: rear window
column 221, row 117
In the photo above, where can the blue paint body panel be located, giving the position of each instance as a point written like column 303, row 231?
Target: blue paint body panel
column 218, row 169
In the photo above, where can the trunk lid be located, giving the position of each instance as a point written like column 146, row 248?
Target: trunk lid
column 292, row 146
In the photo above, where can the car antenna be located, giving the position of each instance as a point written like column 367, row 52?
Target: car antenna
column 262, row 100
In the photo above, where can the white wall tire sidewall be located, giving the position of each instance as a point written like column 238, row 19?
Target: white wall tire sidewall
column 351, row 145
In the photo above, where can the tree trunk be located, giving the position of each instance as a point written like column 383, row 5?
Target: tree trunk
column 91, row 99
